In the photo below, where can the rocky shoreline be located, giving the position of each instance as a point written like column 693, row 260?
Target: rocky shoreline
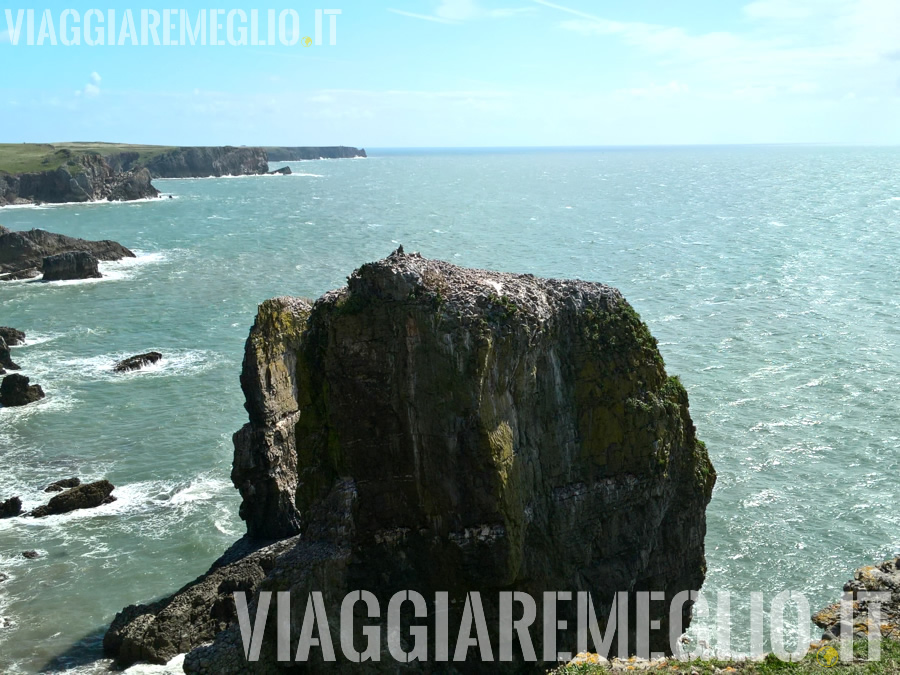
column 431, row 427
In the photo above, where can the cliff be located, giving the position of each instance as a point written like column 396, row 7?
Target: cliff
column 329, row 152
column 435, row 428
column 78, row 178
column 198, row 162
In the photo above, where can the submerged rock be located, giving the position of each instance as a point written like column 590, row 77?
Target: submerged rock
column 63, row 484
column 71, row 265
column 435, row 428
column 137, row 362
column 85, row 496
column 12, row 336
column 15, row 390
column 11, row 508
column 31, row 555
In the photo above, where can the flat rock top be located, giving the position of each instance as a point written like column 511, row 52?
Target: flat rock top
column 470, row 292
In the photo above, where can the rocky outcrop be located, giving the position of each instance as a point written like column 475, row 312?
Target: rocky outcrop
column 86, row 496
column 71, row 265
column 63, row 484
column 283, row 171
column 6, row 361
column 12, row 336
column 328, row 152
column 11, row 508
column 23, row 253
column 83, row 178
column 158, row 632
column 16, row 390
column 203, row 162
column 435, row 428
column 885, row 578
column 137, row 362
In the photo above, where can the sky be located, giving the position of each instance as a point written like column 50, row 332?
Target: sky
column 475, row 73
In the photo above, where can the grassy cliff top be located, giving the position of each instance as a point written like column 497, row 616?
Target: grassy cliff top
column 31, row 157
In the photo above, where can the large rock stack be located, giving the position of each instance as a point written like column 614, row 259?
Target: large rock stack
column 436, row 428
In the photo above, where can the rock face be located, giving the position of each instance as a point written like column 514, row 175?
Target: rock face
column 71, row 265
column 84, row 178
column 133, row 185
column 15, row 390
column 85, row 496
column 137, row 362
column 203, row 162
column 435, row 428
column 63, row 484
column 12, row 336
column 11, row 508
column 328, row 152
column 884, row 577
column 23, row 253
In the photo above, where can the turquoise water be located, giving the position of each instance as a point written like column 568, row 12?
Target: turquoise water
column 768, row 274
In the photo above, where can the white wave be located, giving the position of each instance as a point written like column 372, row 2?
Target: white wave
column 309, row 175
column 176, row 665
column 96, row 202
column 173, row 363
column 33, row 339
column 112, row 270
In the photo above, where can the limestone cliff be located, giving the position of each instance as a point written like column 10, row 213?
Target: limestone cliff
column 86, row 177
column 436, row 428
column 199, row 162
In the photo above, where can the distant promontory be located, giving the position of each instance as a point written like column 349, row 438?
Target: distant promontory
column 330, row 152
column 33, row 173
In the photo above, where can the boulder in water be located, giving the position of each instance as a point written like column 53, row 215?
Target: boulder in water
column 86, row 496
column 12, row 336
column 11, row 508
column 15, row 390
column 71, row 265
column 5, row 357
column 63, row 484
column 31, row 555
column 137, row 362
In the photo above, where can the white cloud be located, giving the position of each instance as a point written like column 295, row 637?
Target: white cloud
column 459, row 11
column 95, row 77
column 787, row 47
column 673, row 88
column 424, row 17
column 91, row 90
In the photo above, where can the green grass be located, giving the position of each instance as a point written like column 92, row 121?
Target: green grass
column 32, row 157
column 889, row 664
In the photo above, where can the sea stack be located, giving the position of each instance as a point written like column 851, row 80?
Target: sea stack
column 435, row 428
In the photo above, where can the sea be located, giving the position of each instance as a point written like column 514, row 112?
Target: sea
column 769, row 275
